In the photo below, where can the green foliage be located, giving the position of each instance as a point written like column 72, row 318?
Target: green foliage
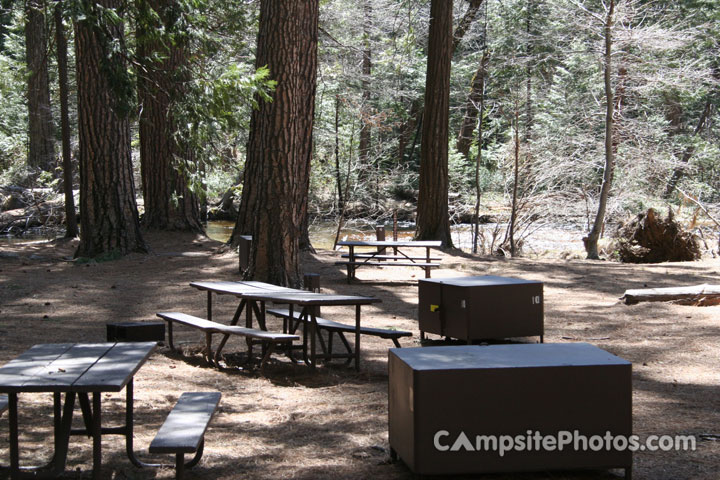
column 13, row 112
column 545, row 62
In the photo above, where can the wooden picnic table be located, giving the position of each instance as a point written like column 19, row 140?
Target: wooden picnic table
column 308, row 301
column 253, row 296
column 241, row 290
column 75, row 370
column 378, row 258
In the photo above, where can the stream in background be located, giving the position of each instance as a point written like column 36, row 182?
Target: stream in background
column 546, row 241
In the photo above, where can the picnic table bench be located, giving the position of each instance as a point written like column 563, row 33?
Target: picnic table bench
column 340, row 329
column 184, row 428
column 3, row 403
column 378, row 258
column 269, row 339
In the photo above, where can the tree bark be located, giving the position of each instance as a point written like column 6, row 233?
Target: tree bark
column 416, row 107
column 477, row 84
column 529, row 51
column 433, row 222
column 591, row 241
column 170, row 204
column 466, row 22
column 478, row 162
column 365, row 111
column 275, row 190
column 338, row 176
column 41, row 132
column 71, row 226
column 108, row 212
column 516, row 181
column 477, row 90
column 309, row 14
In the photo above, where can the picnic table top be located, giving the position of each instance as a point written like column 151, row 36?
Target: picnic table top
column 79, row 367
column 252, row 290
column 304, row 298
column 241, row 288
column 390, row 243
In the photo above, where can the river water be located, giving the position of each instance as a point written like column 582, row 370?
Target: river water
column 545, row 241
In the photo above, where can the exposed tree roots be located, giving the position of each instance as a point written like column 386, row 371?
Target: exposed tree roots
column 648, row 238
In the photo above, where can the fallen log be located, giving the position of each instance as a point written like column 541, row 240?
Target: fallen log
column 700, row 295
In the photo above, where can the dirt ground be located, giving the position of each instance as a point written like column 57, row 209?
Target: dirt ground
column 332, row 423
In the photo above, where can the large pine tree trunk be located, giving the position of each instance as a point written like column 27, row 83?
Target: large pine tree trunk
column 108, row 212
column 41, row 132
column 308, row 13
column 169, row 202
column 416, row 107
column 277, row 170
column 433, row 222
column 71, row 230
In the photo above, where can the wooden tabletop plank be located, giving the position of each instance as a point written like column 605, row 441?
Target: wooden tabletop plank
column 74, row 367
column 239, row 288
column 390, row 243
column 115, row 368
column 15, row 373
column 60, row 374
column 309, row 298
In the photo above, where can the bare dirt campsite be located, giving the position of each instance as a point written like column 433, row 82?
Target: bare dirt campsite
column 332, row 423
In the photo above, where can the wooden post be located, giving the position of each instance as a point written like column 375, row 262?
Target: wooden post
column 244, row 252
column 311, row 282
column 380, row 236
column 395, row 231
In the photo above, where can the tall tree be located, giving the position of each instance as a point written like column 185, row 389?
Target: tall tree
column 465, row 135
column 415, row 117
column 109, row 222
column 433, row 222
column 41, row 133
column 591, row 241
column 165, row 154
column 472, row 108
column 71, row 229
column 365, row 111
column 276, row 180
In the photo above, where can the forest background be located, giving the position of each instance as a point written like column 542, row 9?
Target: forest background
column 527, row 117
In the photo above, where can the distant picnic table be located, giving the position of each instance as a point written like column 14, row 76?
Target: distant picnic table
column 380, row 258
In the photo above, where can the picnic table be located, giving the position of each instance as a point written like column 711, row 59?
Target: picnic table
column 254, row 295
column 75, row 370
column 240, row 290
column 379, row 258
column 308, row 301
